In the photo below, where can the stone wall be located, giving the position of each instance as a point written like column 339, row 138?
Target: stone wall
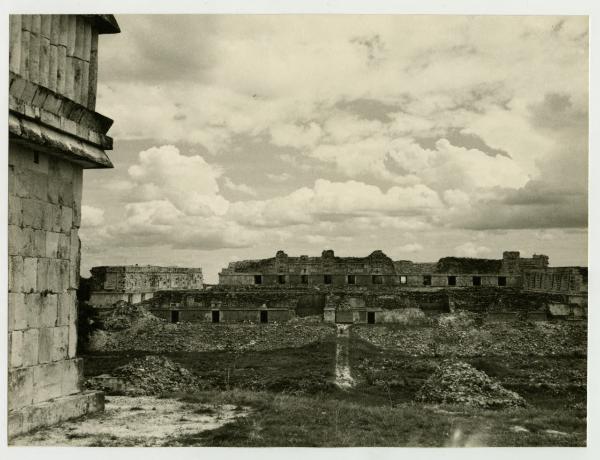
column 136, row 283
column 44, row 251
column 560, row 280
column 239, row 304
column 377, row 270
column 54, row 133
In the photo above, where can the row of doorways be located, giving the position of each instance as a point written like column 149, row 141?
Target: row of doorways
column 216, row 316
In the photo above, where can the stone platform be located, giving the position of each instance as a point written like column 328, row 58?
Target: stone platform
column 51, row 412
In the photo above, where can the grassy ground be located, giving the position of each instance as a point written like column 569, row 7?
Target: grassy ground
column 308, row 369
column 320, row 421
column 294, row 403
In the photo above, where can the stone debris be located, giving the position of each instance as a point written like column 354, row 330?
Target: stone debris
column 458, row 337
column 151, row 375
column 124, row 315
column 457, row 382
column 158, row 336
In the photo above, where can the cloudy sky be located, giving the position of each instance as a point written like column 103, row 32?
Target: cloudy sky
column 423, row 136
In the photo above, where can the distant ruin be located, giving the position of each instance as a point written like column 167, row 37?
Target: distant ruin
column 136, row 283
column 367, row 289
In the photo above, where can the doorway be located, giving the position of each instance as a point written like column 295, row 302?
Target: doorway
column 264, row 316
column 371, row 317
column 174, row 316
column 216, row 316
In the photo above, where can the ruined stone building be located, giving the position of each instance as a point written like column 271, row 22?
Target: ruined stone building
column 136, row 283
column 369, row 289
column 54, row 133
column 570, row 281
column 377, row 269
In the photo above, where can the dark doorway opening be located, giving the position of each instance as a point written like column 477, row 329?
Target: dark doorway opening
column 174, row 316
column 304, row 279
column 377, row 279
column 257, row 279
column 327, row 279
column 351, row 279
column 264, row 316
column 502, row 281
column 452, row 281
column 371, row 317
column 477, row 281
column 216, row 316
column 426, row 280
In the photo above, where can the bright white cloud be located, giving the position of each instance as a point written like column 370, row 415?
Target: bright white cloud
column 188, row 182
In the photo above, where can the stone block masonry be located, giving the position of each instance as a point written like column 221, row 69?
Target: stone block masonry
column 43, row 252
column 54, row 133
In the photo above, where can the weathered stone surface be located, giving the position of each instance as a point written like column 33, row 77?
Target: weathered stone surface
column 25, row 419
column 17, row 311
column 46, row 340
column 42, row 274
column 33, row 307
column 49, row 310
column 47, row 380
column 15, row 211
column 66, row 307
column 15, row 274
column 72, row 352
column 52, row 244
column 15, row 349
column 30, row 347
column 64, row 246
column 29, row 274
column 20, row 387
column 61, row 343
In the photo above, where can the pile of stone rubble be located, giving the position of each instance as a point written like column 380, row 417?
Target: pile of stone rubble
column 124, row 315
column 150, row 375
column 456, row 382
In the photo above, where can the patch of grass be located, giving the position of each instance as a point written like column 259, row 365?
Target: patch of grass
column 204, row 411
column 319, row 421
column 303, row 370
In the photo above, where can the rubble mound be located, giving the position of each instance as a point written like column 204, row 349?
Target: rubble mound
column 456, row 382
column 123, row 315
column 153, row 375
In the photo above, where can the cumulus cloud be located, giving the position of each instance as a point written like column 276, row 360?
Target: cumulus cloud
column 335, row 201
column 188, row 182
column 281, row 177
column 400, row 124
column 410, row 248
column 91, row 216
column 242, row 188
column 471, row 249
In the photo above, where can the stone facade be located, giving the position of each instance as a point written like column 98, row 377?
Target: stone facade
column 377, row 269
column 136, row 283
column 54, row 133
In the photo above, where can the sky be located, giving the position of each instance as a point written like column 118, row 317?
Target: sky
column 422, row 136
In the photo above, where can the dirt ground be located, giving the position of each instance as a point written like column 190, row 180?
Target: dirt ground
column 136, row 421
